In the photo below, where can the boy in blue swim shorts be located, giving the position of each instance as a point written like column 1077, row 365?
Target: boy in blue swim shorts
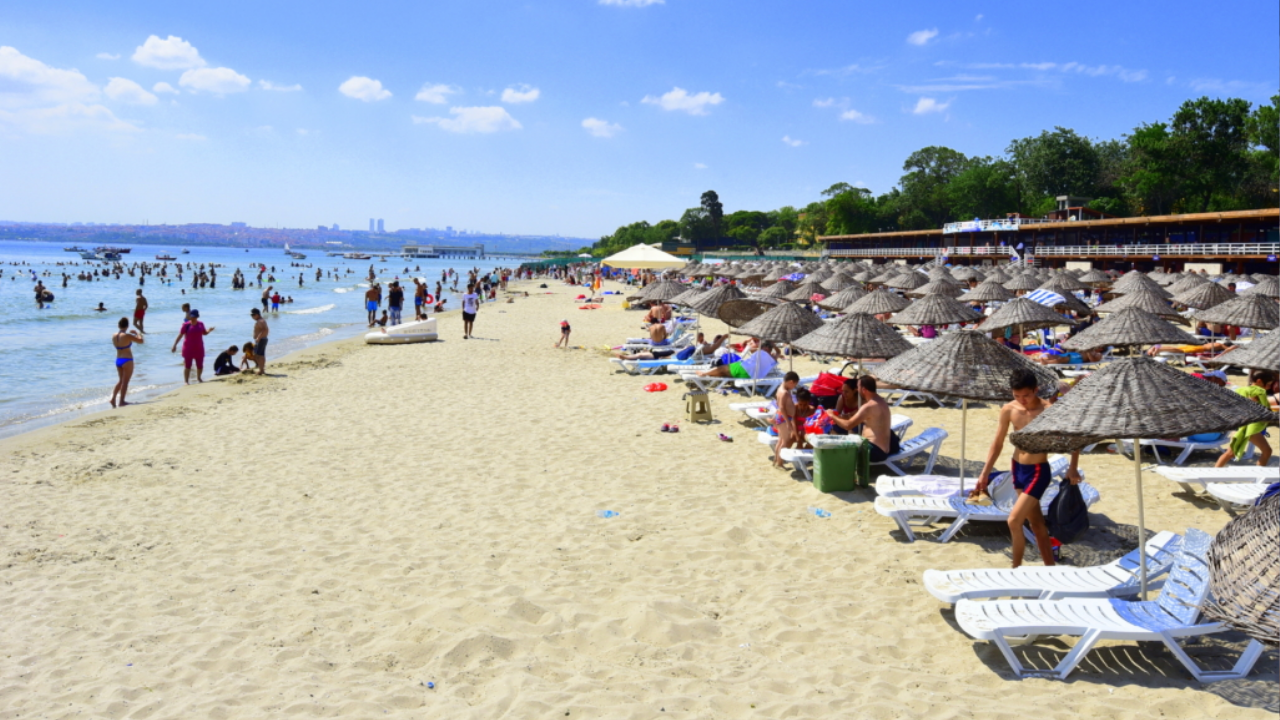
column 1030, row 473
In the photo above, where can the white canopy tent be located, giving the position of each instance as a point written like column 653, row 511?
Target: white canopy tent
column 643, row 257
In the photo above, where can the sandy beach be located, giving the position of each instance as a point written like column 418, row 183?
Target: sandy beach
column 329, row 540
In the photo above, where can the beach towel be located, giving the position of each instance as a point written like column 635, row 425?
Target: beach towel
column 1240, row 440
column 758, row 364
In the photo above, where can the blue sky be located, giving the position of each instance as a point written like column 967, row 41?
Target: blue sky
column 568, row 117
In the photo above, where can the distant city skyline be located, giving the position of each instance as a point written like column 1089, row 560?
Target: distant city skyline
column 434, row 113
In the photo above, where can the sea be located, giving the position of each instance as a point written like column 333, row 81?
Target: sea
column 57, row 361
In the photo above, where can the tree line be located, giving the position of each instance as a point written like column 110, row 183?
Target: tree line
column 1211, row 155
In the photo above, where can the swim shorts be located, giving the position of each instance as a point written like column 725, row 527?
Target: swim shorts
column 895, row 447
column 371, row 306
column 1032, row 480
column 468, row 317
column 737, row 371
column 138, row 314
column 260, row 348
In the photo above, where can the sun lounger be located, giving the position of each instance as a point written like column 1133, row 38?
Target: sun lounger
column 1234, row 497
column 912, row 511
column 927, row 441
column 946, row 486
column 1191, row 477
column 1174, row 614
column 1185, row 445
column 649, row 367
column 900, row 396
column 1118, row 578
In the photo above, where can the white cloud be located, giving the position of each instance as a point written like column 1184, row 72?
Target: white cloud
column 37, row 98
column 219, row 81
column 928, row 105
column 268, row 85
column 979, row 18
column 128, row 91
column 173, row 53
column 632, row 3
column 107, row 56
column 922, row 37
column 699, row 166
column 164, row 87
column 191, row 136
column 787, row 139
column 680, row 99
column 525, row 94
column 304, row 132
column 64, row 118
column 855, row 116
column 473, row 120
column 437, row 94
column 601, row 128
column 363, row 88
column 825, row 102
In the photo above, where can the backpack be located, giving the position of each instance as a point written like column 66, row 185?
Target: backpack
column 1068, row 515
column 827, row 384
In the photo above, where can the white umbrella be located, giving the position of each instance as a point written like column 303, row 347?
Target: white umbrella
column 643, row 257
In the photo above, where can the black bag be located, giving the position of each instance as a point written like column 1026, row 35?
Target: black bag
column 1068, row 515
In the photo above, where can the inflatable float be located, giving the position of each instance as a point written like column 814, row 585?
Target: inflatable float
column 414, row 332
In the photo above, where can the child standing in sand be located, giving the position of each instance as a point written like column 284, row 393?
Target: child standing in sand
column 564, row 334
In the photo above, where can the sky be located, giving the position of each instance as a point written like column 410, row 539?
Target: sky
column 567, row 117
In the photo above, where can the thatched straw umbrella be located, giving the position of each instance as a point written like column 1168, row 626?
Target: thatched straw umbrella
column 909, row 280
column 806, row 290
column 1023, row 314
column 709, row 302
column 1203, row 295
column 843, row 299
column 935, row 310
column 1094, row 277
column 940, row 286
column 1251, row 311
column 687, row 297
column 999, row 275
column 1137, row 282
column 1063, row 284
column 1132, row 326
column 1136, row 398
column 783, row 324
column 778, row 290
column 1142, row 300
column 964, row 364
column 1022, row 282
column 838, row 282
column 1189, row 281
column 855, row 335
column 987, row 291
column 736, row 313
column 1268, row 286
column 1263, row 354
column 661, row 291
column 880, row 302
column 1244, row 573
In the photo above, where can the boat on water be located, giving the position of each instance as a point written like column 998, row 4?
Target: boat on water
column 73, row 248
column 166, row 256
column 89, row 255
column 404, row 334
column 356, row 256
column 297, row 256
column 114, row 250
column 186, row 251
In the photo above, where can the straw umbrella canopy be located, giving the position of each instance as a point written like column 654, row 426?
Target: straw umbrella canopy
column 889, row 274
column 1132, row 326
column 938, row 287
column 1190, row 281
column 999, row 276
column 709, row 302
column 843, row 299
column 785, row 323
column 909, row 280
column 987, row 291
column 1251, row 311
column 1063, row 284
column 775, row 274
column 1243, row 571
column 661, row 291
column 1268, row 286
column 778, row 290
column 1261, row 354
column 838, row 282
column 1137, row 398
column 687, row 297
column 855, row 335
column 1138, row 282
column 806, row 290
column 864, row 276
column 1203, row 295
column 1023, row 314
column 822, row 274
column 1142, row 300
column 736, row 313
column 1022, row 282
column 935, row 310
column 880, row 302
column 964, row 364
column 965, row 273
column 1094, row 277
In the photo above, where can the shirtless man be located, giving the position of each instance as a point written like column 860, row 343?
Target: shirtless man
column 140, row 311
column 371, row 304
column 1031, row 473
column 874, row 417
column 260, row 332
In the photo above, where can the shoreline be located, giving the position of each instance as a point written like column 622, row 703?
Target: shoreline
column 382, row 517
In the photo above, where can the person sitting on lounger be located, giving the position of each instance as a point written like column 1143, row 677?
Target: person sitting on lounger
column 751, row 367
column 658, row 334
column 874, row 417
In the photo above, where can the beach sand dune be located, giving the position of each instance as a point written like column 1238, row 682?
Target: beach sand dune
column 328, row 540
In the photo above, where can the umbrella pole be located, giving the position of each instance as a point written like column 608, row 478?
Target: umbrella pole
column 1142, row 521
column 964, row 426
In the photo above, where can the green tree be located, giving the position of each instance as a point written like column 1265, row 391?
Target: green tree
column 785, row 217
column 850, row 210
column 986, row 189
column 1054, row 163
column 924, row 202
column 1152, row 174
column 774, row 237
column 714, row 211
column 695, row 227
column 1209, row 139
column 1262, row 181
column 812, row 222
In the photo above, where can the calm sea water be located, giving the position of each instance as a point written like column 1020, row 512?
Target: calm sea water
column 58, row 361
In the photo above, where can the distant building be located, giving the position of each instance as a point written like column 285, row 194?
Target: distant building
column 448, row 229
column 381, row 229
column 371, row 225
column 238, row 225
column 321, row 228
column 335, row 227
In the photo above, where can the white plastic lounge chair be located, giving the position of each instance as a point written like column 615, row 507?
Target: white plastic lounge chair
column 650, row 367
column 927, row 441
column 1187, row 446
column 1190, row 478
column 892, row 485
column 1115, row 579
column 1174, row 614
column 1234, row 497
column 898, row 424
column 900, row 396
column 911, row 511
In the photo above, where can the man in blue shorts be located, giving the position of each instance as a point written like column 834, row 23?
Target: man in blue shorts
column 1030, row 474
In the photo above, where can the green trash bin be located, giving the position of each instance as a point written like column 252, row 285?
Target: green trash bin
column 836, row 463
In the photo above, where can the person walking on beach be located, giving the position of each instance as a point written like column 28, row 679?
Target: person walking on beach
column 140, row 311
column 470, row 306
column 371, row 304
column 395, row 302
column 260, row 332
column 123, row 342
column 192, row 334
column 1030, row 473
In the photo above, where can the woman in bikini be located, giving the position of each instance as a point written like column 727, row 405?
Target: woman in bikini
column 123, row 342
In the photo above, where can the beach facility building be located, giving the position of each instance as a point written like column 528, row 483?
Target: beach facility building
column 1239, row 240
